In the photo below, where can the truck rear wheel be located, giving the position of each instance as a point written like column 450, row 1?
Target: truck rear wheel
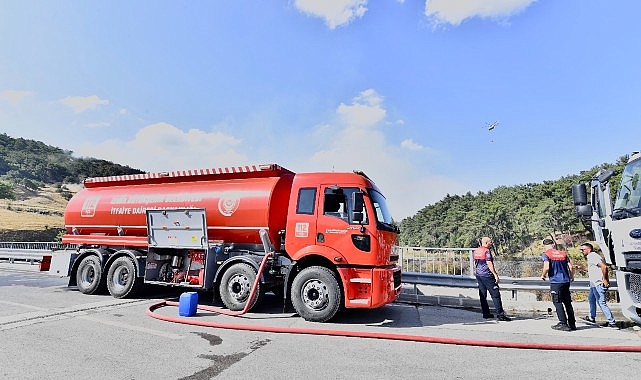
column 316, row 295
column 122, row 279
column 89, row 276
column 235, row 286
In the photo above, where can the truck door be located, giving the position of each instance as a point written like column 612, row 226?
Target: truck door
column 333, row 228
column 320, row 216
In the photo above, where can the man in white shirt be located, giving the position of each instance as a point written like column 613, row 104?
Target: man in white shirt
column 599, row 283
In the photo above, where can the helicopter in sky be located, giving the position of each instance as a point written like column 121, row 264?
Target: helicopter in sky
column 491, row 126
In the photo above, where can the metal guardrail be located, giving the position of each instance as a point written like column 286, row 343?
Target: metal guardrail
column 18, row 254
column 29, row 251
column 452, row 267
column 32, row 246
column 507, row 283
column 457, row 261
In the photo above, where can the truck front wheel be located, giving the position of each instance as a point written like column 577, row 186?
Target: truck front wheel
column 316, row 295
column 235, row 286
column 89, row 276
column 122, row 279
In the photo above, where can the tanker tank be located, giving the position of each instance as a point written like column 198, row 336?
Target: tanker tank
column 238, row 202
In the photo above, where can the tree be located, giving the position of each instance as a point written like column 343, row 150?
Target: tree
column 6, row 191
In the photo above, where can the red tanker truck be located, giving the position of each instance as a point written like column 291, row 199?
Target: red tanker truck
column 332, row 235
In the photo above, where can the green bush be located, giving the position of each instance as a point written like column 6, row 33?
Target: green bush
column 6, row 191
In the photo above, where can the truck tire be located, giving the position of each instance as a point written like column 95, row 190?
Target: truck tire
column 316, row 295
column 122, row 279
column 89, row 276
column 235, row 286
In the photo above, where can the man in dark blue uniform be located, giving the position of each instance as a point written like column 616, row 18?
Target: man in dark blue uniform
column 488, row 280
column 557, row 264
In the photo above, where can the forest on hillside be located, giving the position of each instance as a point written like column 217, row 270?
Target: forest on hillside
column 30, row 164
column 513, row 216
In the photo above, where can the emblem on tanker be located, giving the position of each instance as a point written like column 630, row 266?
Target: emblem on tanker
column 89, row 207
column 228, row 204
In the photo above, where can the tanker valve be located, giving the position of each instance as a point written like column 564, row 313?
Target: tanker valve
column 176, row 261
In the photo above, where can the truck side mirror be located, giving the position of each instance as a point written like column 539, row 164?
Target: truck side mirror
column 358, row 205
column 580, row 195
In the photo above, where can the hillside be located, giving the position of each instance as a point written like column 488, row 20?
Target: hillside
column 36, row 180
column 33, row 163
column 34, row 215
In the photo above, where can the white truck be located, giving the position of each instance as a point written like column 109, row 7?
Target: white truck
column 617, row 228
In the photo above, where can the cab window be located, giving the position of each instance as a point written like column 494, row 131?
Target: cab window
column 337, row 203
column 334, row 204
column 306, row 201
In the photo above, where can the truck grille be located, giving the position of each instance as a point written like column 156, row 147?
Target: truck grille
column 634, row 282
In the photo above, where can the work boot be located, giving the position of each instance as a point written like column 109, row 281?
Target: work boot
column 561, row 327
column 503, row 317
column 488, row 316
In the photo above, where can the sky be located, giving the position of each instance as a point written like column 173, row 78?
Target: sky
column 402, row 90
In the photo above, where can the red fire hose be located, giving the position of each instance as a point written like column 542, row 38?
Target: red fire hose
column 364, row 334
column 377, row 335
column 252, row 293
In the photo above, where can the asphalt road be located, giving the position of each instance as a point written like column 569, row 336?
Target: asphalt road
column 51, row 331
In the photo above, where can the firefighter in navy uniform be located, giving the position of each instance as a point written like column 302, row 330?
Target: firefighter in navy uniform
column 488, row 280
column 557, row 265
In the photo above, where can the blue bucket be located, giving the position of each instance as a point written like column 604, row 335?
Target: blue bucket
column 188, row 304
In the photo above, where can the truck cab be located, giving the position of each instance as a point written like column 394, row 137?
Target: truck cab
column 344, row 224
column 617, row 228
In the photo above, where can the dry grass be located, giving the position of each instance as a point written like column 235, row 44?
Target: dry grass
column 20, row 220
column 33, row 210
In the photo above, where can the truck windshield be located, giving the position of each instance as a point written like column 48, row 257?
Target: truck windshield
column 383, row 216
column 628, row 201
